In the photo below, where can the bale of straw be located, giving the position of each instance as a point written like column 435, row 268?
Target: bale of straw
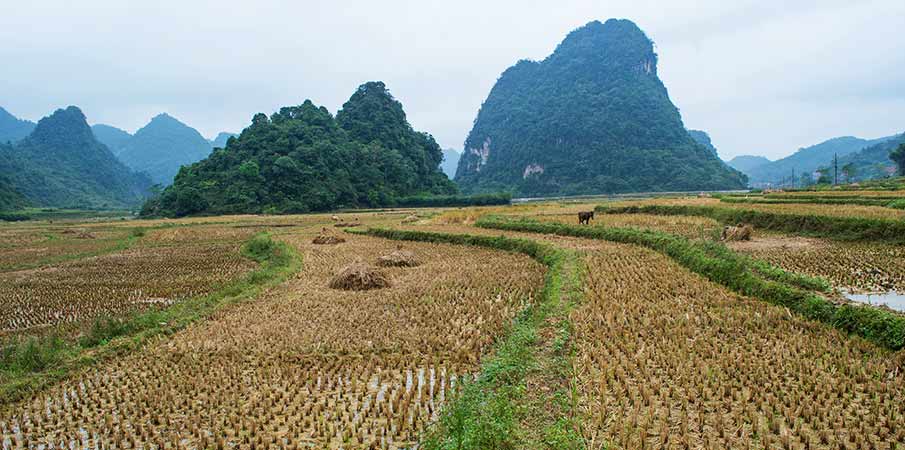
column 398, row 258
column 359, row 276
column 738, row 233
column 410, row 219
column 327, row 238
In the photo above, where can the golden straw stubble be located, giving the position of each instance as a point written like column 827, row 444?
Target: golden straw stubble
column 303, row 365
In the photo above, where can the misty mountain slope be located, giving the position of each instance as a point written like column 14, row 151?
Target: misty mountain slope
column 162, row 146
column 746, row 163
column 303, row 159
column 808, row 159
column 114, row 138
column 220, row 140
column 593, row 117
column 450, row 162
column 62, row 164
column 13, row 129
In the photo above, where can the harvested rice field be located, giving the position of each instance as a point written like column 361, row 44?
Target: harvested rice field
column 854, row 266
column 156, row 271
column 667, row 359
column 444, row 331
column 305, row 365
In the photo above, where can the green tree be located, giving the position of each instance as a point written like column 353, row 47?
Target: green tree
column 303, row 159
column 825, row 177
column 850, row 171
column 898, row 157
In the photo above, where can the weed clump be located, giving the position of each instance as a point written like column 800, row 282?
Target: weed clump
column 359, row 276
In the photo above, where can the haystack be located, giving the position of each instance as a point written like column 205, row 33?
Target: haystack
column 737, row 233
column 327, row 238
column 410, row 219
column 359, row 276
column 399, row 258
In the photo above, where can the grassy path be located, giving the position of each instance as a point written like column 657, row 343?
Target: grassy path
column 524, row 396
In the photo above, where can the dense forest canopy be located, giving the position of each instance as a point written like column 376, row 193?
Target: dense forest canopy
column 62, row 164
column 302, row 159
column 591, row 118
column 898, row 157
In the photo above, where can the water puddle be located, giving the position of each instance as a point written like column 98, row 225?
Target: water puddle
column 892, row 299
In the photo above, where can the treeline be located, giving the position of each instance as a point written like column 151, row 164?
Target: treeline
column 898, row 203
column 420, row 201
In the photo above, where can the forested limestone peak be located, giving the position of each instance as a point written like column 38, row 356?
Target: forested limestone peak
column 593, row 117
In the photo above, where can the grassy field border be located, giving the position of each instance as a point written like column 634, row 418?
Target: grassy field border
column 840, row 228
column 813, row 200
column 30, row 364
column 491, row 411
column 879, row 326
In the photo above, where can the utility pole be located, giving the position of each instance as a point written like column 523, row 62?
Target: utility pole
column 835, row 169
column 793, row 178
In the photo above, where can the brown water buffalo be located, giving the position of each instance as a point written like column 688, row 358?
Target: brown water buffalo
column 584, row 217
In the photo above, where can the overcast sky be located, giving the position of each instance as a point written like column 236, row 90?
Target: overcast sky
column 761, row 77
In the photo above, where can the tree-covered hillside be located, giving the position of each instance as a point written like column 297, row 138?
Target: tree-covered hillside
column 701, row 137
column 162, row 146
column 593, row 117
column 808, row 159
column 114, row 138
column 303, row 159
column 10, row 198
column 871, row 162
column 13, row 129
column 450, row 162
column 62, row 164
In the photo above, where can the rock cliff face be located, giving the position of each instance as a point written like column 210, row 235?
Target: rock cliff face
column 593, row 117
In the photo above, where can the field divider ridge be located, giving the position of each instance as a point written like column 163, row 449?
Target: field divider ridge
column 504, row 406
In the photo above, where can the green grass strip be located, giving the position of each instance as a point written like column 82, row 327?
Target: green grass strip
column 490, row 411
column 840, row 228
column 862, row 201
column 882, row 327
column 29, row 364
